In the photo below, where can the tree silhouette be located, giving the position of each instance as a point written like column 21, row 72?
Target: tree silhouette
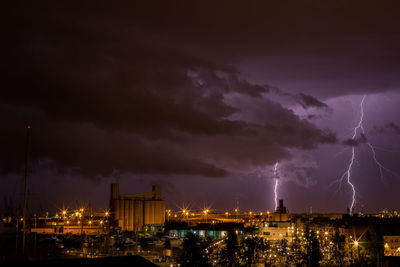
column 338, row 248
column 229, row 256
column 312, row 247
column 193, row 252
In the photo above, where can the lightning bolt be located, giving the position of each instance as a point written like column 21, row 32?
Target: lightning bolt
column 276, row 176
column 347, row 174
column 353, row 155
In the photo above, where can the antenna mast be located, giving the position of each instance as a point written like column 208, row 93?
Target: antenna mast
column 28, row 130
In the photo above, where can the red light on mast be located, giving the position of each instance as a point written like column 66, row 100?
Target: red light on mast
column 28, row 126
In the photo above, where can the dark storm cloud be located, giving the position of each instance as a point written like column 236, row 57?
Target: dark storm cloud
column 118, row 83
column 310, row 101
column 304, row 100
column 337, row 47
column 341, row 47
column 86, row 150
column 394, row 127
column 110, row 92
column 315, row 116
column 164, row 92
column 356, row 142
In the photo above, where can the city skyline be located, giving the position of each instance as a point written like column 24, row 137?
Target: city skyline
column 205, row 100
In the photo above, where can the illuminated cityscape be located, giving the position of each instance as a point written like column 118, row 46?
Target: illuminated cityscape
column 139, row 224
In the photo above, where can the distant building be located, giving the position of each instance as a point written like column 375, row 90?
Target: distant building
column 215, row 234
column 138, row 212
column 281, row 208
column 63, row 229
column 392, row 245
column 275, row 231
column 280, row 214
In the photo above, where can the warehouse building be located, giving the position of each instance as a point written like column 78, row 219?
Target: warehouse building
column 138, row 212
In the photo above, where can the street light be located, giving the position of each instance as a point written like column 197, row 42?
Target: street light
column 358, row 251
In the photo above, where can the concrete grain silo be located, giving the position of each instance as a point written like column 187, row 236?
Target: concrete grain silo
column 137, row 212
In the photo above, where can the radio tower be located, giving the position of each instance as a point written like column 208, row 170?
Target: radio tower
column 28, row 130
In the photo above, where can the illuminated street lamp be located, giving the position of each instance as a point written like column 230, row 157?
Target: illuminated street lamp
column 185, row 212
column 356, row 246
column 206, row 211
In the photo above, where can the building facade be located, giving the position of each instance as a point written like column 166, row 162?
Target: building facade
column 276, row 231
column 392, row 245
column 137, row 212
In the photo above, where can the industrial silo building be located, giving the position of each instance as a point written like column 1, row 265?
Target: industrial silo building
column 138, row 212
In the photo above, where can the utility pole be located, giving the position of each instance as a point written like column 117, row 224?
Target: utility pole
column 16, row 231
column 28, row 130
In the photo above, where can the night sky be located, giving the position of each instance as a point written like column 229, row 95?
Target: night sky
column 203, row 99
